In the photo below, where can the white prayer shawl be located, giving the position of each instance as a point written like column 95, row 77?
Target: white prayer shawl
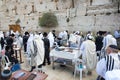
column 20, row 40
column 16, row 33
column 101, row 65
column 72, row 38
column 30, row 51
column 0, row 47
column 61, row 35
column 7, row 33
column 17, row 42
column 78, row 40
column 64, row 35
column 39, row 58
column 88, row 50
column 41, row 36
column 112, row 75
column 114, row 41
column 51, row 39
column 1, row 34
column 30, row 44
column 12, row 32
column 107, row 40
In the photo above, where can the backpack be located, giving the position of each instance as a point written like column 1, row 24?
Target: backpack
column 15, row 67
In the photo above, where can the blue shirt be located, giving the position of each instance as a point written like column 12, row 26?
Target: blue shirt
column 117, row 34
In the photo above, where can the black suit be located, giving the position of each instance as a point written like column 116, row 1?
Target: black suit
column 25, row 38
column 11, row 57
column 9, row 41
column 99, row 43
column 2, row 42
column 47, row 50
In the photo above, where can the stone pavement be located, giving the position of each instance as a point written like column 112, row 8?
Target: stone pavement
column 59, row 73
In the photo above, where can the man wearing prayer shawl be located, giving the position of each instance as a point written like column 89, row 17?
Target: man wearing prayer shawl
column 51, row 39
column 88, row 50
column 64, row 38
column 108, row 40
column 109, row 63
column 36, row 51
column 72, row 40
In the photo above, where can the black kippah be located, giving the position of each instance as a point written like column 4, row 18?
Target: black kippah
column 114, row 47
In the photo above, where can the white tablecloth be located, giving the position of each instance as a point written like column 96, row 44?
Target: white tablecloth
column 64, row 54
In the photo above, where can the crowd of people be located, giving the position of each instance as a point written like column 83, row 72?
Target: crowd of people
column 98, row 51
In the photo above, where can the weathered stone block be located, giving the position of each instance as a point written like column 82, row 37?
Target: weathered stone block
column 100, row 2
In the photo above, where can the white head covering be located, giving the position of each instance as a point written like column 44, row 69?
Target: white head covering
column 41, row 36
column 51, row 38
column 90, row 37
column 1, row 34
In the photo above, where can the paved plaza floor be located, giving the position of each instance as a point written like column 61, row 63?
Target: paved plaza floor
column 59, row 73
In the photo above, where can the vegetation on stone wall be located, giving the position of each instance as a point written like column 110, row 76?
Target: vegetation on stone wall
column 17, row 21
column 48, row 20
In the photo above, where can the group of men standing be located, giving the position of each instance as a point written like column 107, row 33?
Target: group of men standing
column 38, row 45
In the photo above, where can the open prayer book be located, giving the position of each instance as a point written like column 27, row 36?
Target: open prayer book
column 17, row 76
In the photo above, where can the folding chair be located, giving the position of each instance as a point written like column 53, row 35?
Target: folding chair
column 5, row 62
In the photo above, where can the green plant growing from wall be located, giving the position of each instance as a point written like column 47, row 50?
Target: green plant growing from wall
column 48, row 20
column 17, row 21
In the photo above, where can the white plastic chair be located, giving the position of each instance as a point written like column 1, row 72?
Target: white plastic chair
column 5, row 62
column 79, row 67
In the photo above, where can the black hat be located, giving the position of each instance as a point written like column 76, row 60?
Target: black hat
column 114, row 47
column 26, row 33
column 44, row 34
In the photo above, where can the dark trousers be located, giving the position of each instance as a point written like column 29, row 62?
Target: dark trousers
column 48, row 60
column 100, row 78
column 25, row 47
column 46, row 57
column 118, row 42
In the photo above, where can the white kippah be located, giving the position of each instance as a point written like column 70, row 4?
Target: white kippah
column 90, row 37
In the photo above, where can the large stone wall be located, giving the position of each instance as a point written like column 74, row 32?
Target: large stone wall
column 83, row 15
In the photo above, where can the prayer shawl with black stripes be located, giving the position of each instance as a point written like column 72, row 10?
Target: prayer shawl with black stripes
column 112, row 62
column 112, row 67
column 36, row 50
